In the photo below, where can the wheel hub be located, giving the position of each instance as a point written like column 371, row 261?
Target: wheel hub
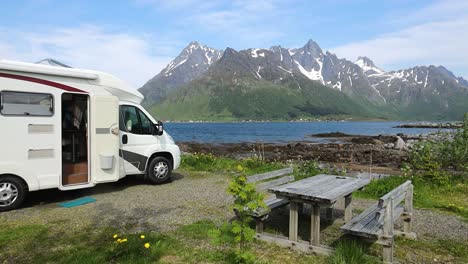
column 160, row 170
column 8, row 193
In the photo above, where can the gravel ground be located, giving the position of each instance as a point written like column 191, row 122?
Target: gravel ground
column 131, row 204
column 134, row 205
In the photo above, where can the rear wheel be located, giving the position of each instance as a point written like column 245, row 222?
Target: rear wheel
column 12, row 193
column 159, row 170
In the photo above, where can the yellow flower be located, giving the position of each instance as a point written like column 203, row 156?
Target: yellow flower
column 123, row 240
column 115, row 236
column 142, row 236
column 119, row 240
column 147, row 245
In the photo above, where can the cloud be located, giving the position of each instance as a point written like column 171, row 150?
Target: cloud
column 243, row 23
column 132, row 58
column 441, row 41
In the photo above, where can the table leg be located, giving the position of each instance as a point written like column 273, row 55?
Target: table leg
column 293, row 221
column 330, row 213
column 315, row 225
column 348, row 213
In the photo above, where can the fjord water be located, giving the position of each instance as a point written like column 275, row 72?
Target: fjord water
column 279, row 132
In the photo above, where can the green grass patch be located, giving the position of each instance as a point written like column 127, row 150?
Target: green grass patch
column 211, row 163
column 444, row 250
column 350, row 252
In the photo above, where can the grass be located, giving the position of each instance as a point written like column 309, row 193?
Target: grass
column 58, row 242
column 44, row 244
column 210, row 163
column 450, row 197
column 350, row 252
column 437, row 250
column 188, row 244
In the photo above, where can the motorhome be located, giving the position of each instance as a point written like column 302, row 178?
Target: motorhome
column 70, row 129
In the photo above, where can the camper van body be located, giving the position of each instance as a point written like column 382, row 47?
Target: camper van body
column 111, row 134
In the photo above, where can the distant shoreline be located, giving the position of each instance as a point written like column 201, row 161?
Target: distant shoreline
column 425, row 124
column 403, row 125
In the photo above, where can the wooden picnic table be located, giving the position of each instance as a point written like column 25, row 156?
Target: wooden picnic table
column 319, row 191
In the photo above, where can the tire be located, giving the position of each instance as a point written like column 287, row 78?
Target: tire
column 159, row 170
column 13, row 192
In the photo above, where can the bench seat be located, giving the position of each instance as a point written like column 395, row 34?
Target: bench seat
column 367, row 224
column 272, row 203
column 377, row 221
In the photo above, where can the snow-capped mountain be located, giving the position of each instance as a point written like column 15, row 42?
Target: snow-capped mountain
column 361, row 80
column 403, row 87
column 191, row 63
column 309, row 61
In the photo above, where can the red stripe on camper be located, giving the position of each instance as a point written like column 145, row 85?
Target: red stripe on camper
column 41, row 81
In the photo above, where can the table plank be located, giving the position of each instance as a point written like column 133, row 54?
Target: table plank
column 321, row 188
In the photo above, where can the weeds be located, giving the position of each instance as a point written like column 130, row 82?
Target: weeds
column 350, row 252
column 211, row 163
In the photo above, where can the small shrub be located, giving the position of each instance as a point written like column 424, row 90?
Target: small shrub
column 238, row 233
column 306, row 169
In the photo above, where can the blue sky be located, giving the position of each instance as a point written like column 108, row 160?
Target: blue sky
column 135, row 39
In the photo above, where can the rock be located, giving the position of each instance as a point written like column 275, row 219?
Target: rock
column 400, row 144
column 389, row 145
column 366, row 140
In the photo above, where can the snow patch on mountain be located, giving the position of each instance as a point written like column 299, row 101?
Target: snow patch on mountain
column 315, row 75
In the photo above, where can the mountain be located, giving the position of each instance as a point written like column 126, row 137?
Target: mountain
column 283, row 83
column 422, row 91
column 191, row 63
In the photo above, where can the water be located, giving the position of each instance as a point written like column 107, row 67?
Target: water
column 279, row 132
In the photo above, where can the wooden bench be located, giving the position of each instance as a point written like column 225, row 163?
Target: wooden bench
column 265, row 181
column 376, row 223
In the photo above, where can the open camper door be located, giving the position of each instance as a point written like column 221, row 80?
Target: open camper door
column 104, row 139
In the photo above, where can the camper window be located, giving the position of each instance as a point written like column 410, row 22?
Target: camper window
column 146, row 124
column 135, row 121
column 26, row 104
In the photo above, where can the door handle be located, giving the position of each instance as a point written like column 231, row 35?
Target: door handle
column 124, row 139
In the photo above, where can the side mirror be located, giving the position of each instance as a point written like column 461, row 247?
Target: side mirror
column 158, row 129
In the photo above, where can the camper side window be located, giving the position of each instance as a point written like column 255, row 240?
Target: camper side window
column 26, row 104
column 131, row 121
column 135, row 121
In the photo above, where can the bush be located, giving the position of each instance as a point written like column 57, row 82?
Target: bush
column 433, row 156
column 238, row 233
column 432, row 159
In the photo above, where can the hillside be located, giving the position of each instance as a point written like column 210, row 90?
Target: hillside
column 203, row 83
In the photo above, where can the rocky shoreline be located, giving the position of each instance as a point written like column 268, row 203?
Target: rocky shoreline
column 445, row 125
column 382, row 150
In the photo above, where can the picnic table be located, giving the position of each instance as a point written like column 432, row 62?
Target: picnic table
column 321, row 191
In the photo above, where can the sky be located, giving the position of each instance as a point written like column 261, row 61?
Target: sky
column 136, row 39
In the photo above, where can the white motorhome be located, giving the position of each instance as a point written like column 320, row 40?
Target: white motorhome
column 70, row 129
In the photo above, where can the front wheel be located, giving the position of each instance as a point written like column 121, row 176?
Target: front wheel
column 12, row 193
column 159, row 170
